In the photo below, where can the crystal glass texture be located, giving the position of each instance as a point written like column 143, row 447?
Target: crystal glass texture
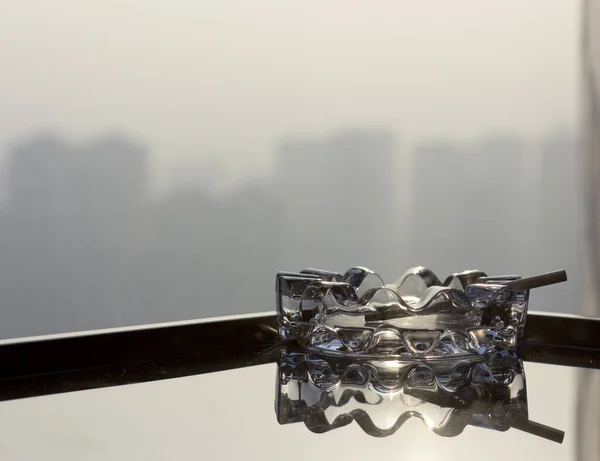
column 327, row 393
column 416, row 317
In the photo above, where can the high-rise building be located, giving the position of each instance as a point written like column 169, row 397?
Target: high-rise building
column 559, row 221
column 36, row 175
column 470, row 205
column 70, row 234
column 338, row 197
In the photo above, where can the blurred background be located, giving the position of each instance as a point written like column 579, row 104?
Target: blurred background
column 160, row 161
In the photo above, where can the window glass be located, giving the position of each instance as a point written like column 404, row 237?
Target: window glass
column 162, row 160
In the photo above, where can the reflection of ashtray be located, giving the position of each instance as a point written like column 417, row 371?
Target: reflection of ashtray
column 328, row 392
column 418, row 316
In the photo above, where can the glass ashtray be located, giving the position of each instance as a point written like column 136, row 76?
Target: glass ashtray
column 417, row 317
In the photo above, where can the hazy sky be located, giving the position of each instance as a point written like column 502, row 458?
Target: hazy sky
column 206, row 79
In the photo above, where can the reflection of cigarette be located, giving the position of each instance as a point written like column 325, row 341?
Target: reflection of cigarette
column 531, row 427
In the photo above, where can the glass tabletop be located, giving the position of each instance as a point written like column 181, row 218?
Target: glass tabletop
column 230, row 415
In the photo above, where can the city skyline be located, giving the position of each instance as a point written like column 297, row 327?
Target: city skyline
column 84, row 244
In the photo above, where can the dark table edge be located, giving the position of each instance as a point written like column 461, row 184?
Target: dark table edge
column 57, row 364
